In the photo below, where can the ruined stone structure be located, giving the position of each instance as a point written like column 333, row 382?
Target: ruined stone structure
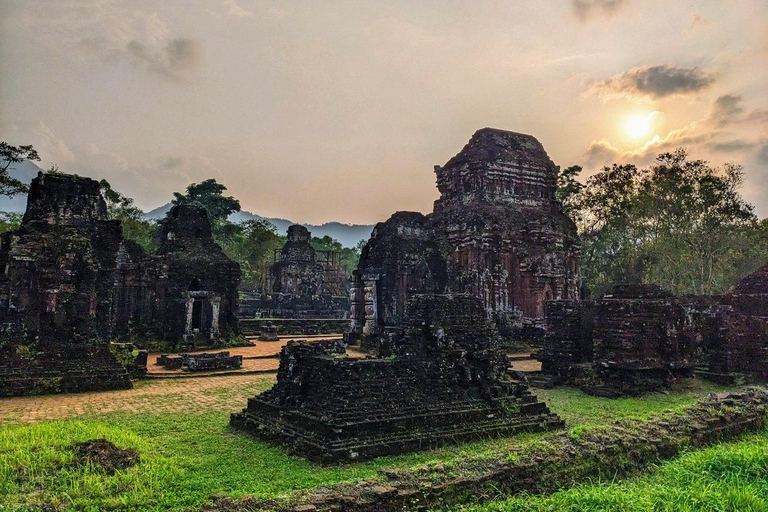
column 497, row 233
column 633, row 340
column 734, row 333
column 70, row 283
column 188, row 290
column 750, row 295
column 445, row 382
column 303, row 272
column 639, row 336
column 56, row 289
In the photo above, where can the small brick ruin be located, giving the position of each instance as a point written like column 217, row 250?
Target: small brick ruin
column 497, row 233
column 639, row 338
column 634, row 340
column 56, row 292
column 308, row 293
column 444, row 382
column 71, row 283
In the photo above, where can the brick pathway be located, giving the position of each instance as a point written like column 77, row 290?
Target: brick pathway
column 196, row 395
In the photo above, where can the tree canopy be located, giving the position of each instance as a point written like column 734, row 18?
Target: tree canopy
column 680, row 223
column 209, row 194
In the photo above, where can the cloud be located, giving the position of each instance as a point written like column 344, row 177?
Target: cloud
column 698, row 22
column 728, row 109
column 728, row 129
column 174, row 61
column 762, row 154
column 51, row 145
column 171, row 162
column 647, row 83
column 234, row 9
column 725, row 109
column 586, row 10
column 731, row 146
column 115, row 33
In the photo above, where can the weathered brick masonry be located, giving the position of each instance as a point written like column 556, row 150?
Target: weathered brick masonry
column 445, row 382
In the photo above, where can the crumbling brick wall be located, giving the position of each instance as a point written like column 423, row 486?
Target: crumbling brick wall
column 56, row 290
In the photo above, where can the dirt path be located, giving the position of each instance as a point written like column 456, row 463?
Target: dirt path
column 169, row 395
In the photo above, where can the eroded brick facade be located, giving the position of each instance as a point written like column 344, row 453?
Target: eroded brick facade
column 497, row 233
column 71, row 283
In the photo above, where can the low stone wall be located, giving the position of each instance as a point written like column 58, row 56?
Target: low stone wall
column 84, row 370
column 284, row 326
column 558, row 461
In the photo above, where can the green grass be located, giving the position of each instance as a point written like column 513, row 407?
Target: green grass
column 725, row 478
column 187, row 458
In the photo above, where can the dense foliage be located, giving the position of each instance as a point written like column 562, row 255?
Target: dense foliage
column 680, row 223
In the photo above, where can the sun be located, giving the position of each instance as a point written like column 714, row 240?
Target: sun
column 638, row 126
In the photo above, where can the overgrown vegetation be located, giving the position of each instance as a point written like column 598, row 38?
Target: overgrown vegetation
column 728, row 477
column 680, row 223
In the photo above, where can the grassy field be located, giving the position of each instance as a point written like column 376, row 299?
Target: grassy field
column 188, row 457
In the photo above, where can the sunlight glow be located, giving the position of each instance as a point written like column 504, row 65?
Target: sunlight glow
column 638, row 126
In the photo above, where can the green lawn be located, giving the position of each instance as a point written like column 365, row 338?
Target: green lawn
column 187, row 458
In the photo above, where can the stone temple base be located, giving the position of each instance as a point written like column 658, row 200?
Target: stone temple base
column 334, row 409
column 99, row 371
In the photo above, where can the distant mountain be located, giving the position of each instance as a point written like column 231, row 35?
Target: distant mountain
column 348, row 234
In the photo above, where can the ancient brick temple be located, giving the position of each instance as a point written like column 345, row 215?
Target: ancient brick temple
column 186, row 291
column 444, row 382
column 199, row 282
column 70, row 283
column 308, row 291
column 497, row 233
column 633, row 340
column 56, row 290
column 303, row 272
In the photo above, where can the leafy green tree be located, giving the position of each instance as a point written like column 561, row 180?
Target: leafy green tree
column 251, row 243
column 10, row 155
column 680, row 223
column 209, row 194
column 348, row 257
column 568, row 189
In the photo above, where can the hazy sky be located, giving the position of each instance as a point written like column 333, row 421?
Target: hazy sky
column 338, row 110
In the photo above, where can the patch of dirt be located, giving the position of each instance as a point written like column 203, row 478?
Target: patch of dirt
column 104, row 454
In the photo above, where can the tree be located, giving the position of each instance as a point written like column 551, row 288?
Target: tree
column 251, row 243
column 210, row 195
column 680, row 223
column 569, row 189
column 119, row 206
column 135, row 227
column 10, row 155
column 9, row 221
column 348, row 257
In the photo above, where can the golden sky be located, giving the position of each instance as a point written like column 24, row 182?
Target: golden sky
column 316, row 110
